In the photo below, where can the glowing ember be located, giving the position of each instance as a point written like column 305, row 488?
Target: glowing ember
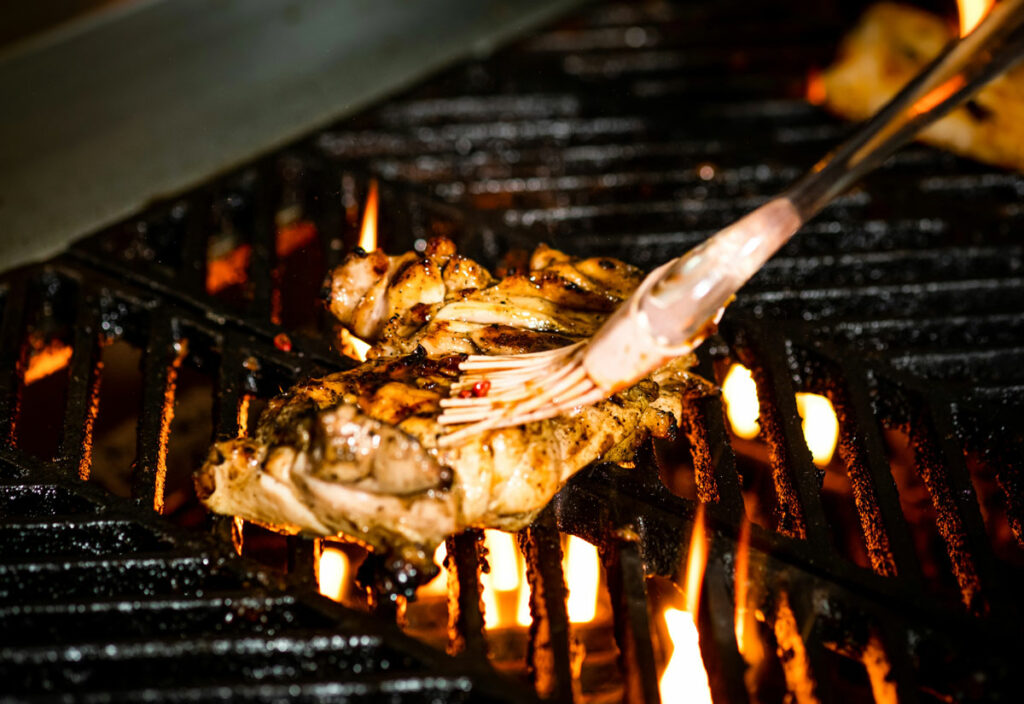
column 293, row 237
column 816, row 91
column 821, row 427
column 438, row 586
column 740, row 394
column 972, row 12
column 353, row 347
column 685, row 678
column 283, row 342
column 228, row 270
column 47, row 360
column 368, row 232
column 332, row 573
column 582, row 570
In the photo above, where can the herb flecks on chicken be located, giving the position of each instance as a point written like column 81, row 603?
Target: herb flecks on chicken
column 357, row 453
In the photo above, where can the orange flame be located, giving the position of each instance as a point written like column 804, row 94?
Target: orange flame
column 524, row 617
column 697, row 562
column 742, row 573
column 972, row 12
column 747, row 639
column 502, row 581
column 506, row 590
column 368, row 232
column 438, row 586
column 820, row 426
column 583, row 573
column 685, row 675
column 332, row 573
column 740, row 395
column 47, row 360
column 685, row 678
column 354, row 347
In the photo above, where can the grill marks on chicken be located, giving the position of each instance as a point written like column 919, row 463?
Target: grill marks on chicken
column 356, row 452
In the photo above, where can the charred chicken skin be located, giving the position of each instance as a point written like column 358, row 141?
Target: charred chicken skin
column 356, row 452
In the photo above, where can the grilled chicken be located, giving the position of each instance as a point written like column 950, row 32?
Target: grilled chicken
column 357, row 453
column 888, row 47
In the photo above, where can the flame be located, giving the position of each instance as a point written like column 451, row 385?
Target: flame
column 685, row 678
column 47, row 360
column 354, row 347
column 582, row 569
column 820, row 425
column 438, row 586
column 741, row 405
column 332, row 573
column 238, row 533
column 243, row 414
column 685, row 675
column 523, row 615
column 696, row 562
column 228, row 270
column 748, row 642
column 368, row 232
column 742, row 569
column 972, row 12
column 502, row 578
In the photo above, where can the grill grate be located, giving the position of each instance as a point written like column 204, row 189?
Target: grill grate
column 632, row 130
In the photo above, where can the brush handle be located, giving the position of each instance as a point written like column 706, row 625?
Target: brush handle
column 696, row 286
column 678, row 303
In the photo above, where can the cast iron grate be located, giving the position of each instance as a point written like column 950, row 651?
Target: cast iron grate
column 633, row 131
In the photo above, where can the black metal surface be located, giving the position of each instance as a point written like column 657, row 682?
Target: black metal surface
column 632, row 130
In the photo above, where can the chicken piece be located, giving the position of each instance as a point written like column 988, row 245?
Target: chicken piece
column 357, row 453
column 888, row 47
column 557, row 301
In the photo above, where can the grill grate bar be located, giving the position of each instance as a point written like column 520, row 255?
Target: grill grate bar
column 82, row 404
column 465, row 615
column 940, row 464
column 718, row 480
column 797, row 480
column 885, row 530
column 159, row 372
column 716, row 626
column 550, row 649
column 625, row 573
column 192, row 273
column 14, row 312
column 228, row 398
column 261, row 267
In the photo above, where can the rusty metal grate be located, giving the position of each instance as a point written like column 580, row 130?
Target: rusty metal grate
column 631, row 131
